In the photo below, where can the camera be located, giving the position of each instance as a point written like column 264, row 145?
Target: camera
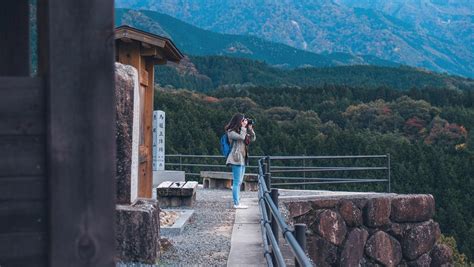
column 250, row 121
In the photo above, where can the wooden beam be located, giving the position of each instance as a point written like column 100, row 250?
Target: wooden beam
column 148, row 120
column 126, row 33
column 14, row 36
column 81, row 132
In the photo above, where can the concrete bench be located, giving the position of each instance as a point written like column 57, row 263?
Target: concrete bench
column 215, row 180
column 176, row 194
column 221, row 180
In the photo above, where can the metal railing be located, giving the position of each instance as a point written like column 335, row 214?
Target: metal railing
column 300, row 171
column 272, row 223
column 191, row 164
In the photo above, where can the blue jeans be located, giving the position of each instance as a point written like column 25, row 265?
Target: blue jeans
column 238, row 172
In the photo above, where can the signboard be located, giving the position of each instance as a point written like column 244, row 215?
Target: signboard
column 158, row 140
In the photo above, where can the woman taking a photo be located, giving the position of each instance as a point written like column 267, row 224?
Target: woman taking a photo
column 240, row 134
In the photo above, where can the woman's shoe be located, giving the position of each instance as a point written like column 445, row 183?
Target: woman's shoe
column 240, row 206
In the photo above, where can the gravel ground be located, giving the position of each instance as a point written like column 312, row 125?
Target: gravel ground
column 206, row 239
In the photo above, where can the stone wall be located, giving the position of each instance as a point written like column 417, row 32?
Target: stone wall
column 370, row 230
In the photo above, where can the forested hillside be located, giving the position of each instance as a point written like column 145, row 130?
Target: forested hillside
column 427, row 132
column 210, row 72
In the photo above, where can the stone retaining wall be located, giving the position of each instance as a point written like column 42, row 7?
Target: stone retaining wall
column 370, row 230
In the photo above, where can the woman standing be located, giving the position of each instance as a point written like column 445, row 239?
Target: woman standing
column 240, row 134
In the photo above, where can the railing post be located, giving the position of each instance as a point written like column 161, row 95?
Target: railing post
column 304, row 173
column 300, row 236
column 268, row 175
column 389, row 174
column 274, row 195
column 180, row 162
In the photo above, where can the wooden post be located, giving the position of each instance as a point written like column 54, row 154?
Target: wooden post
column 148, row 121
column 80, row 77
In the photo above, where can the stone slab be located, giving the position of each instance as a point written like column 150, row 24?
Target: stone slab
column 246, row 243
column 180, row 223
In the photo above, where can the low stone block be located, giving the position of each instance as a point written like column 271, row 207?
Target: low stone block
column 353, row 250
column 138, row 231
column 350, row 212
column 325, row 203
column 420, row 239
column 322, row 252
column 330, row 225
column 377, row 212
column 422, row 261
column 412, row 208
column 441, row 255
column 176, row 194
column 299, row 208
column 384, row 249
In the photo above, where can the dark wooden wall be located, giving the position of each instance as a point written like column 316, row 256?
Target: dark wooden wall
column 57, row 145
column 23, row 187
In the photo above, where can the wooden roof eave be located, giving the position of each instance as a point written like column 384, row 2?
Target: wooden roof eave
column 168, row 50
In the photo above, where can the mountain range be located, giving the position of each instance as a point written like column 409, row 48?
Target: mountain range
column 433, row 34
column 198, row 42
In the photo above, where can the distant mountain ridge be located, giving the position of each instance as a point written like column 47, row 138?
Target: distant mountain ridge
column 195, row 41
column 434, row 34
column 211, row 72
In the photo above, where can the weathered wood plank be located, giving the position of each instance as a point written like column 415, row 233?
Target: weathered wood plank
column 22, row 109
column 22, row 124
column 32, row 261
column 23, row 216
column 22, row 155
column 81, row 133
column 14, row 36
column 22, row 188
column 21, row 248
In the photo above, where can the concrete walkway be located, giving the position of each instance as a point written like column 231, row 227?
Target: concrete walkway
column 246, row 245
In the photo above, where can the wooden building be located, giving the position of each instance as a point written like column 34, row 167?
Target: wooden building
column 143, row 51
column 57, row 128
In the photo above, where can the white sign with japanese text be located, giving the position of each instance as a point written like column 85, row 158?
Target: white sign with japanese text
column 158, row 140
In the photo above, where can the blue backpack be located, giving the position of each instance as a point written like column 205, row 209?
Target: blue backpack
column 226, row 147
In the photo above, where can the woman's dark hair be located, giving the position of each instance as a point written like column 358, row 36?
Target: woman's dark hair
column 235, row 123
